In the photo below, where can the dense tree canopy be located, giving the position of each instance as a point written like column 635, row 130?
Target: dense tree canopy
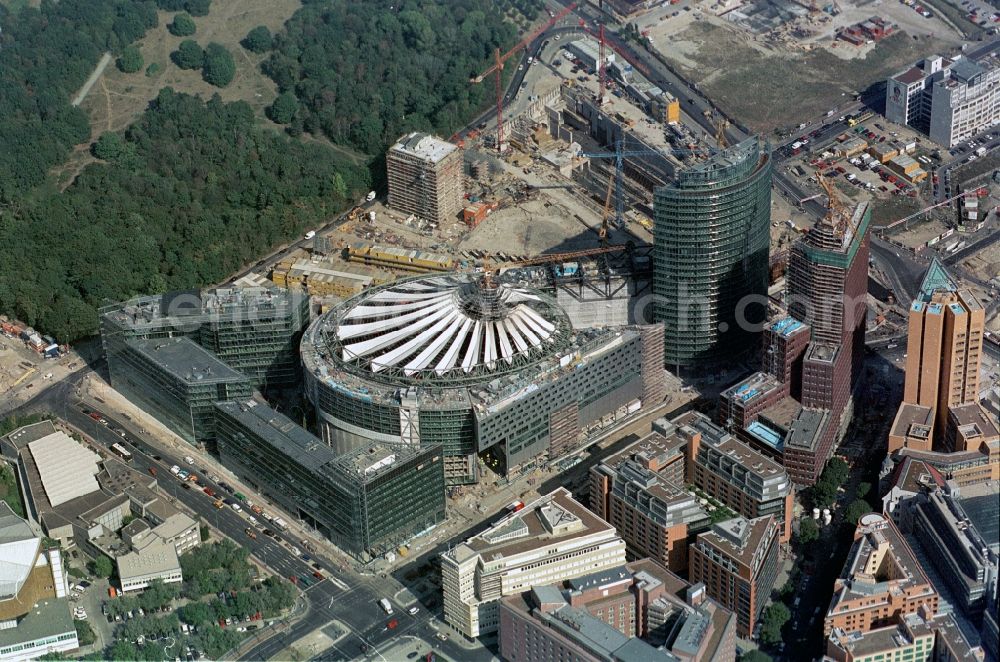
column 188, row 55
column 197, row 7
column 182, row 25
column 130, row 60
column 283, row 109
column 365, row 74
column 196, row 191
column 258, row 40
column 219, row 67
column 45, row 56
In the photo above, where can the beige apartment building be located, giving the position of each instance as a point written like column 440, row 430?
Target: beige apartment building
column 425, row 177
column 550, row 540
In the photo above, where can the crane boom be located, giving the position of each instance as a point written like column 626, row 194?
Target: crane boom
column 499, row 60
column 498, row 64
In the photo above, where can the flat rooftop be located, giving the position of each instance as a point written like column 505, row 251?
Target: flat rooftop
column 148, row 313
column 787, row 326
column 550, row 519
column 981, row 503
column 154, row 558
column 782, row 412
column 913, row 421
column 738, row 538
column 751, row 388
column 186, row 360
column 307, row 450
column 424, row 147
column 973, row 422
column 805, row 430
column 48, row 618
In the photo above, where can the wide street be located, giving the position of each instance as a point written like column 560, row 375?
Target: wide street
column 344, row 596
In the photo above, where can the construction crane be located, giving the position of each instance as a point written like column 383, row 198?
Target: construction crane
column 602, row 234
column 499, row 61
column 721, row 124
column 835, row 210
column 602, row 68
column 635, row 62
column 619, row 155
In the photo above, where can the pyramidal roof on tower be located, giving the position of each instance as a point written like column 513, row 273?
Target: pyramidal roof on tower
column 937, row 279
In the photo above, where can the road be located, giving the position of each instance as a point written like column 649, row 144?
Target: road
column 95, row 75
column 343, row 596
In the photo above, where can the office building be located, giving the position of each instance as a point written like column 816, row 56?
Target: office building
column 799, row 406
column 154, row 559
column 726, row 469
column 950, row 100
column 639, row 611
column 35, row 615
column 944, row 354
column 553, row 538
column 656, row 518
column 425, row 177
column 959, row 531
column 913, row 637
column 485, row 369
column 177, row 381
column 737, row 561
column 710, row 253
column 367, row 501
column 254, row 330
column 881, row 581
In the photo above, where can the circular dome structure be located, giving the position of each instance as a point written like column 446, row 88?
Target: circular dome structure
column 444, row 329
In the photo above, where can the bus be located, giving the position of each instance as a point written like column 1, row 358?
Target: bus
column 121, row 452
column 859, row 118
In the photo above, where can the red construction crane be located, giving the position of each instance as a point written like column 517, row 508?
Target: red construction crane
column 499, row 62
column 605, row 42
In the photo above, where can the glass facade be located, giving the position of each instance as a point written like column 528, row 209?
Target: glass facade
column 367, row 502
column 178, row 382
column 254, row 330
column 710, row 254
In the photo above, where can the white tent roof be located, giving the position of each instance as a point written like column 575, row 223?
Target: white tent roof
column 430, row 326
column 67, row 468
column 18, row 548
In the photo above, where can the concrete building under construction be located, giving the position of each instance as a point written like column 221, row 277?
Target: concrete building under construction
column 425, row 177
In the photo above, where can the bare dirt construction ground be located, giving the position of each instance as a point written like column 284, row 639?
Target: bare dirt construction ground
column 770, row 89
column 118, row 99
column 985, row 263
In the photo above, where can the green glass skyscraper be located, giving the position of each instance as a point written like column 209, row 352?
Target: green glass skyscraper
column 710, row 253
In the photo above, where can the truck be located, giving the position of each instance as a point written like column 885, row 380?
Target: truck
column 370, row 196
column 310, row 234
column 280, row 523
column 386, row 606
column 981, row 151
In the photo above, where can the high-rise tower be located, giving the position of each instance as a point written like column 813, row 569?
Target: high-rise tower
column 827, row 288
column 710, row 252
column 943, row 355
column 425, row 177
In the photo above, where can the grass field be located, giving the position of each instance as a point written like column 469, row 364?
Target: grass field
column 768, row 91
column 118, row 99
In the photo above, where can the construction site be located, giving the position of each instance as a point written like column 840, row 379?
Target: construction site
column 561, row 191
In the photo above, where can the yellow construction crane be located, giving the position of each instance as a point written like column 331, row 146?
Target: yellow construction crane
column 721, row 124
column 835, row 209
